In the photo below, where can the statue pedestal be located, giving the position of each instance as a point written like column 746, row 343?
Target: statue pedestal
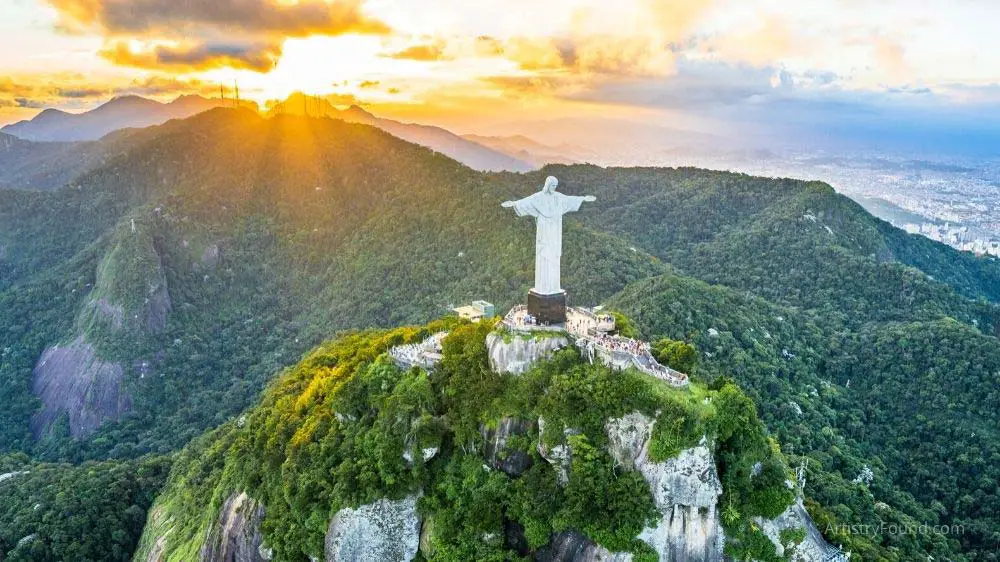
column 547, row 309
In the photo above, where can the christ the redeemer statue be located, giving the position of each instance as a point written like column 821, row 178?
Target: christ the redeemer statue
column 547, row 300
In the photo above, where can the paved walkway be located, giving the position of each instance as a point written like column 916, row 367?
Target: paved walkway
column 616, row 351
column 425, row 354
column 622, row 352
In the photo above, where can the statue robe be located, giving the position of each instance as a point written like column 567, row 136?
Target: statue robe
column 548, row 209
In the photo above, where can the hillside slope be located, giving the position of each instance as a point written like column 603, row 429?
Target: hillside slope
column 203, row 255
column 264, row 236
column 793, row 242
column 344, row 445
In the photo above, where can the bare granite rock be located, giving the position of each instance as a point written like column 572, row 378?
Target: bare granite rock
column 512, row 461
column 813, row 547
column 685, row 489
column 571, row 546
column 72, row 380
column 384, row 531
column 559, row 456
column 131, row 291
column 236, row 535
column 516, row 354
column 210, row 257
column 8, row 475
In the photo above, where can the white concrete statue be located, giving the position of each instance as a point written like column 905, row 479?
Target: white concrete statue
column 548, row 208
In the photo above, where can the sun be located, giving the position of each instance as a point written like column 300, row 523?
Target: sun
column 314, row 65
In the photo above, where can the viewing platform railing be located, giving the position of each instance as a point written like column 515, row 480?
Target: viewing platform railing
column 625, row 352
column 616, row 351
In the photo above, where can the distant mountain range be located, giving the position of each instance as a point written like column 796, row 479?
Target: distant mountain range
column 476, row 155
column 160, row 291
column 54, row 125
column 534, row 152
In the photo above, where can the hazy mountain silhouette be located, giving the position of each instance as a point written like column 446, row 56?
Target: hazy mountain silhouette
column 472, row 154
column 534, row 152
column 119, row 113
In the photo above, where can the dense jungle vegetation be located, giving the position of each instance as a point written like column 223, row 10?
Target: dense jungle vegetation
column 861, row 346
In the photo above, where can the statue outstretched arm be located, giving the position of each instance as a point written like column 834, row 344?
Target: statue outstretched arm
column 589, row 198
column 523, row 207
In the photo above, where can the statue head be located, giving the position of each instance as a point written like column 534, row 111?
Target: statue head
column 551, row 183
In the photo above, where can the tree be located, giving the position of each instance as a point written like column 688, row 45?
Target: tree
column 676, row 355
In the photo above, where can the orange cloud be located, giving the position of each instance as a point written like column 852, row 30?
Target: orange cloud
column 258, row 56
column 198, row 35
column 154, row 17
column 486, row 46
column 427, row 53
column 891, row 60
column 76, row 90
column 762, row 45
column 594, row 54
column 672, row 20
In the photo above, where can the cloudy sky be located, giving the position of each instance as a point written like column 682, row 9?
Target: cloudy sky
column 881, row 67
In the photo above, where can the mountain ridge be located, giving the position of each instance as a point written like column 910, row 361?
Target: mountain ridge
column 120, row 112
column 472, row 154
column 273, row 234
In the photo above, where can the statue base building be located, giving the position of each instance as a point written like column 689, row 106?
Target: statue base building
column 547, row 309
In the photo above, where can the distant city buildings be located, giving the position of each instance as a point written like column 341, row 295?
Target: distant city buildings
column 957, row 237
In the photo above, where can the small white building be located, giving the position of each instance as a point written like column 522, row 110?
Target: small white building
column 475, row 311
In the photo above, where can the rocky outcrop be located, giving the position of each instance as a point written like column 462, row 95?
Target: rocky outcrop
column 153, row 543
column 685, row 489
column 571, row 546
column 131, row 289
column 510, row 460
column 813, row 547
column 426, row 454
column 384, row 531
column 426, row 542
column 559, row 456
column 236, row 535
column 157, row 306
column 686, row 534
column 516, row 353
column 72, row 380
column 211, row 255
column 8, row 475
column 113, row 315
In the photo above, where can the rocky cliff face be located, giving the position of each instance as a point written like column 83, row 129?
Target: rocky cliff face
column 813, row 547
column 236, row 536
column 559, row 456
column 571, row 546
column 518, row 353
column 685, row 489
column 512, row 461
column 384, row 531
column 131, row 290
column 72, row 380
column 153, row 547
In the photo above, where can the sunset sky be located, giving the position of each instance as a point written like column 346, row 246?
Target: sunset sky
column 699, row 64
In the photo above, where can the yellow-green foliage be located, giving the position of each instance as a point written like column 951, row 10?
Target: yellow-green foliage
column 331, row 433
